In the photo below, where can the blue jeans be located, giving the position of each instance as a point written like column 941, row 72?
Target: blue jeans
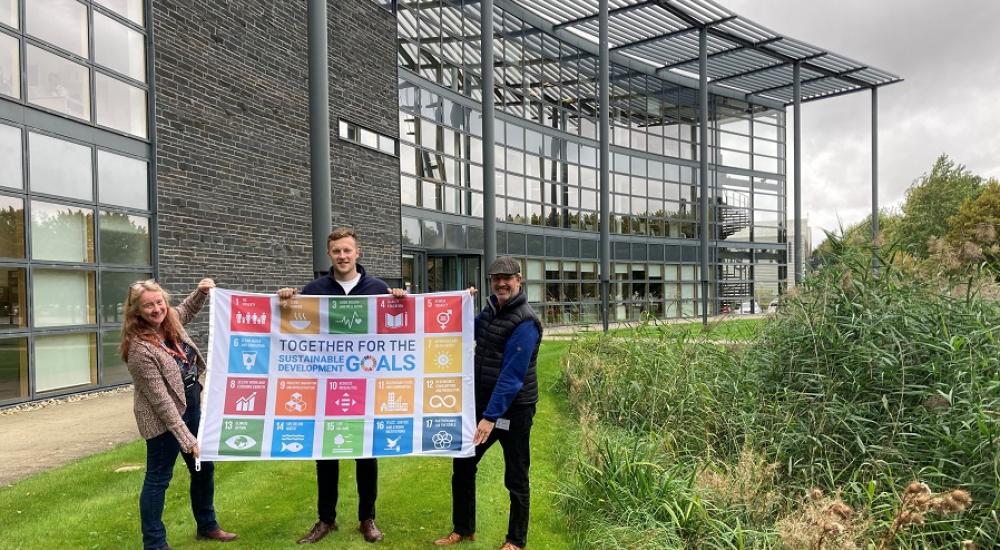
column 161, row 455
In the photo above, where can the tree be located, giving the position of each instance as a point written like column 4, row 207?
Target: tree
column 972, row 235
column 932, row 200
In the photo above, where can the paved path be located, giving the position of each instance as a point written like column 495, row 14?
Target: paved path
column 44, row 437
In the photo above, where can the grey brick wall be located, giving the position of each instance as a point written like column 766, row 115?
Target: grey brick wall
column 232, row 123
column 363, row 90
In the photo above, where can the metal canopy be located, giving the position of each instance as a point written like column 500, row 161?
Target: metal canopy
column 654, row 37
column 742, row 55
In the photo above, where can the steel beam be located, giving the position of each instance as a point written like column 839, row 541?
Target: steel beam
column 489, row 163
column 703, row 168
column 797, row 169
column 605, row 164
column 875, row 228
column 319, row 134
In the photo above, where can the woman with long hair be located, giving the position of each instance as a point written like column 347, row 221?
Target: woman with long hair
column 166, row 367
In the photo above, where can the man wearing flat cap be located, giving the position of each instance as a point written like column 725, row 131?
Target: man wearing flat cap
column 508, row 334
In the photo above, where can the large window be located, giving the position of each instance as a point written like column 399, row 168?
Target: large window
column 84, row 59
column 75, row 219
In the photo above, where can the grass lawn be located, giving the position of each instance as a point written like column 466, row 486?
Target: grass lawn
column 271, row 504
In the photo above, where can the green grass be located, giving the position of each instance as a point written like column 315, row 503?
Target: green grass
column 271, row 504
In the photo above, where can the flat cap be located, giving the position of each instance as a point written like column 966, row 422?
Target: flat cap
column 505, row 265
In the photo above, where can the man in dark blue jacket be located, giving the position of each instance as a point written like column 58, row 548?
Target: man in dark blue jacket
column 346, row 277
column 508, row 334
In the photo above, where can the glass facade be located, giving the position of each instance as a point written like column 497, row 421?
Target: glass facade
column 75, row 218
column 546, row 172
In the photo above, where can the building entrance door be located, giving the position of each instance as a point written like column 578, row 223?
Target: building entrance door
column 454, row 272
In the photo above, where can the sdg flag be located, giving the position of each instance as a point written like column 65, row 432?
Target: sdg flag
column 329, row 377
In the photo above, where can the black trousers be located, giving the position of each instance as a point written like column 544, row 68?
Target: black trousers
column 516, row 458
column 327, row 482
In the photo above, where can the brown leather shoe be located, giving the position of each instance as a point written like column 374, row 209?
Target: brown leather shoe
column 217, row 535
column 370, row 531
column 453, row 538
column 318, row 531
column 510, row 546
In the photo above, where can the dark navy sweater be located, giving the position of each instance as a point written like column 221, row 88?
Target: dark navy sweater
column 327, row 285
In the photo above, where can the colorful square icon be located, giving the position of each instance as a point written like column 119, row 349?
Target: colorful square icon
column 292, row 438
column 346, row 396
column 442, row 314
column 443, row 354
column 249, row 354
column 295, row 397
column 394, row 396
column 343, row 438
column 442, row 433
column 396, row 315
column 442, row 395
column 392, row 437
column 250, row 313
column 348, row 315
column 247, row 396
column 300, row 315
column 241, row 437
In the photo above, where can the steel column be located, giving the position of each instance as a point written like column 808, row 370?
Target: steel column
column 489, row 163
column 605, row 164
column 703, row 164
column 797, row 169
column 319, row 134
column 875, row 228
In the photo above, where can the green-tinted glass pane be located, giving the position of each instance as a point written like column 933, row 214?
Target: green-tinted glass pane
column 114, row 288
column 10, row 152
column 64, row 361
column 11, row 227
column 12, row 289
column 62, row 232
column 13, row 369
column 62, row 297
column 124, row 239
column 115, row 370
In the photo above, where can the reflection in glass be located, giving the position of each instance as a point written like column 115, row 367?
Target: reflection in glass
column 119, row 48
column 114, row 370
column 13, row 369
column 124, row 239
column 10, row 64
column 59, row 22
column 61, row 232
column 57, row 83
column 10, row 157
column 131, row 9
column 65, row 360
column 114, row 286
column 58, row 167
column 62, row 297
column 122, row 180
column 12, row 307
column 121, row 106
column 11, row 227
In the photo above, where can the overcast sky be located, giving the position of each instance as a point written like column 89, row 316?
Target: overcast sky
column 948, row 103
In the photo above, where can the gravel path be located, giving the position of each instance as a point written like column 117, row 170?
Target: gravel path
column 44, row 435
